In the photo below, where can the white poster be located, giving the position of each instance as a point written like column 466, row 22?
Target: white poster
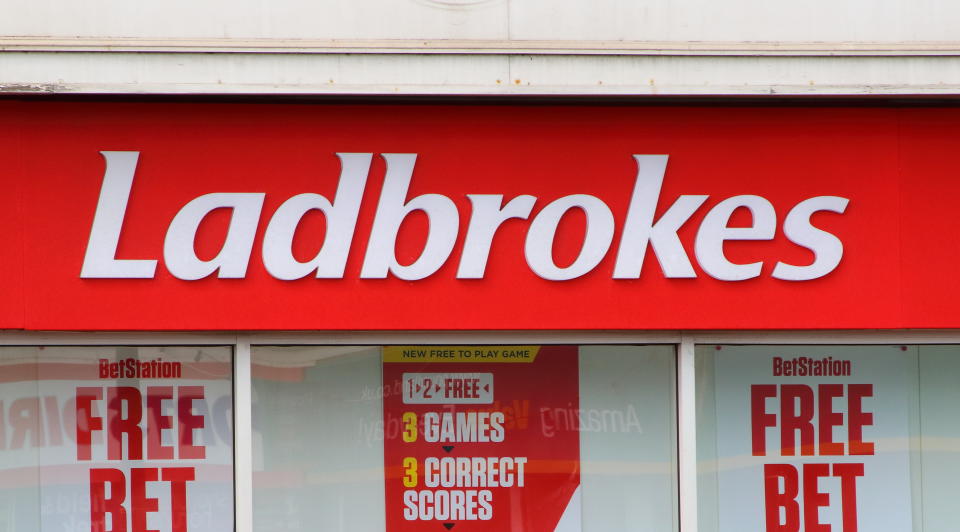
column 813, row 439
column 116, row 439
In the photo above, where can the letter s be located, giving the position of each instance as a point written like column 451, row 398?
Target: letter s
column 485, row 513
column 496, row 426
column 827, row 248
column 410, row 505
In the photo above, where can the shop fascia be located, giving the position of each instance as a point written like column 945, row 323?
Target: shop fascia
column 489, row 211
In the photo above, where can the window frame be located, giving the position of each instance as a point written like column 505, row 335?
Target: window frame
column 685, row 343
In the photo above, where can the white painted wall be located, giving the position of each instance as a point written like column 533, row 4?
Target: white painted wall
column 481, row 47
column 612, row 20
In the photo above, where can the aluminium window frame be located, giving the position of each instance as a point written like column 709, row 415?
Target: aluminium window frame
column 684, row 341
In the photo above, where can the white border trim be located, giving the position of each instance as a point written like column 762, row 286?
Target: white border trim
column 464, row 337
column 115, row 338
column 813, row 337
column 864, row 337
column 39, row 43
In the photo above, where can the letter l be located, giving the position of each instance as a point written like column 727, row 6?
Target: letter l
column 100, row 261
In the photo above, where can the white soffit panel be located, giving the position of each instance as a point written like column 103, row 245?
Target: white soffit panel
column 473, row 74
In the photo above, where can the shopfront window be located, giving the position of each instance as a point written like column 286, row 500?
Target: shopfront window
column 569, row 438
column 789, row 438
column 116, row 438
column 827, row 438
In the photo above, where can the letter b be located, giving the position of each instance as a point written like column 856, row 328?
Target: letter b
column 393, row 209
column 775, row 499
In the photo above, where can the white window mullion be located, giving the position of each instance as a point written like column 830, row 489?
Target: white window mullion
column 687, row 437
column 242, row 437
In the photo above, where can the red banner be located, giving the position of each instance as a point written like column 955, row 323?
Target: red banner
column 299, row 217
column 487, row 438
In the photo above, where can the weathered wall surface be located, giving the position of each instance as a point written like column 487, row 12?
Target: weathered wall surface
column 537, row 47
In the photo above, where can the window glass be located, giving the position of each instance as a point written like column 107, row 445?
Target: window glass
column 827, row 437
column 465, row 438
column 116, row 438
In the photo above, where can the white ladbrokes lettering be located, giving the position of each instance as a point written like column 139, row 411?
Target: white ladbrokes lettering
column 488, row 213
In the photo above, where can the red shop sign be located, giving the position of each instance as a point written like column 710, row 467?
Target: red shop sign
column 289, row 217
